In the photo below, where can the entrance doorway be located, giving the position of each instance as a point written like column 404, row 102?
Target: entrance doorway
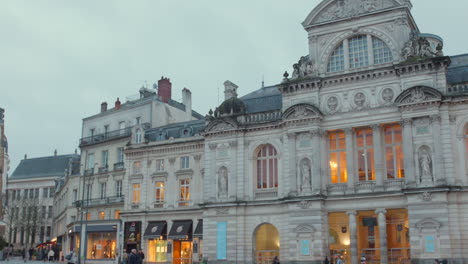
column 182, row 253
column 267, row 244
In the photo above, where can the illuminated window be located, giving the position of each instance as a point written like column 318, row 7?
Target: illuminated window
column 358, row 53
column 102, row 215
column 184, row 162
column 336, row 62
column 160, row 165
column 267, row 167
column 136, row 193
column 117, row 214
column 184, row 194
column 101, row 245
column 137, row 167
column 382, row 53
column 157, row 250
column 160, row 191
column 88, row 216
column 138, row 136
column 394, row 152
column 337, row 142
column 365, row 154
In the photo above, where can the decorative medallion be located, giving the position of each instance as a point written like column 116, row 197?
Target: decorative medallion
column 332, row 103
column 426, row 197
column 387, row 95
column 360, row 99
column 179, row 229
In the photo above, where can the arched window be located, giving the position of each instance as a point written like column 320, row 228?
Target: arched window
column 267, row 167
column 359, row 51
column 138, row 136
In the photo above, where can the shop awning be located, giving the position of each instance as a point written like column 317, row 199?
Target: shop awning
column 181, row 230
column 101, row 228
column 199, row 229
column 156, row 230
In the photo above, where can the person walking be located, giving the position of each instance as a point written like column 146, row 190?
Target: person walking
column 276, row 260
column 141, row 256
column 51, row 255
column 23, row 254
column 124, row 257
column 132, row 257
column 326, row 261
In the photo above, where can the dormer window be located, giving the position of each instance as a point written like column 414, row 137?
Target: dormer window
column 138, row 136
column 355, row 53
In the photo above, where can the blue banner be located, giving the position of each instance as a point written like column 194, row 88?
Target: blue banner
column 221, row 243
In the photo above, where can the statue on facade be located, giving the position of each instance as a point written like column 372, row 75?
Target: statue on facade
column 419, row 47
column 304, row 67
column 425, row 163
column 222, row 182
column 305, row 173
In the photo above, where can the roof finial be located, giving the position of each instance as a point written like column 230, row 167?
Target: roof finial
column 25, row 156
column 55, row 152
column 263, row 81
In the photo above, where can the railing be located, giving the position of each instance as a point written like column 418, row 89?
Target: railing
column 184, row 203
column 458, row 89
column 394, row 184
column 267, row 193
column 119, row 166
column 89, row 172
column 337, row 188
column 365, row 186
column 99, row 138
column 399, row 256
column 103, row 201
column 158, row 204
column 103, row 169
column 259, row 117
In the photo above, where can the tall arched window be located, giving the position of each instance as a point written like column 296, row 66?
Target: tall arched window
column 138, row 136
column 267, row 167
column 359, row 51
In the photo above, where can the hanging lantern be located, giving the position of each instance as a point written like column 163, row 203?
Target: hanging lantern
column 344, row 229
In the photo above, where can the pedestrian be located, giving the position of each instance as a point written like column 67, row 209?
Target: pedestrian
column 326, row 261
column 51, row 255
column 31, row 252
column 25, row 255
column 276, row 260
column 339, row 260
column 141, row 256
column 124, row 257
column 72, row 258
column 132, row 257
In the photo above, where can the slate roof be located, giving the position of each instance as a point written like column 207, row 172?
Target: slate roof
column 53, row 166
column 176, row 130
column 263, row 99
column 458, row 69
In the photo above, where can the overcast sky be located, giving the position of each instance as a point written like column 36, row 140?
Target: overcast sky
column 60, row 59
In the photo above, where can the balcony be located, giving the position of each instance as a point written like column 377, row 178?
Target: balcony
column 119, row 166
column 89, row 172
column 103, row 169
column 98, row 202
column 100, row 138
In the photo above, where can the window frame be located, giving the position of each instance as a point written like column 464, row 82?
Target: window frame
column 136, row 193
column 395, row 152
column 266, row 180
column 102, row 190
column 160, row 191
column 118, row 188
column 160, row 166
column 185, row 162
column 338, row 151
column 369, row 150
column 184, row 192
column 138, row 136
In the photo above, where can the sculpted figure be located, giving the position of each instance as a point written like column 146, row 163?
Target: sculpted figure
column 306, row 179
column 222, row 182
column 425, row 163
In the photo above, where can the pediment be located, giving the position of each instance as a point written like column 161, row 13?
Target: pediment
column 428, row 223
column 417, row 95
column 304, row 228
column 330, row 10
column 302, row 111
column 220, row 126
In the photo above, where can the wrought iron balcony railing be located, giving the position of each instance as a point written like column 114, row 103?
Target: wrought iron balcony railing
column 119, row 166
column 99, row 201
column 108, row 136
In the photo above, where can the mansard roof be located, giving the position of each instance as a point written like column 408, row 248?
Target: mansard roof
column 53, row 166
column 176, row 130
column 263, row 100
column 458, row 69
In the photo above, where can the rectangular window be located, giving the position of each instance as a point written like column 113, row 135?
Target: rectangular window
column 42, row 233
column 73, row 218
column 48, row 231
column 184, row 162
column 337, row 146
column 31, row 193
column 136, row 193
column 13, row 195
column 117, row 214
column 89, row 189
column 90, row 161
column 49, row 213
column 36, row 193
column 118, row 188
column 75, row 195
column 91, row 132
column 358, row 53
column 51, row 192
column 184, row 194
column 101, row 245
column 103, row 190
column 44, row 212
column 18, row 195
column 26, row 194
column 160, row 191
column 122, row 127
column 102, row 215
column 45, row 192
column 137, row 167
column 105, row 158
column 106, row 129
column 120, row 155
column 88, row 216
column 160, row 165
column 394, row 163
column 365, row 154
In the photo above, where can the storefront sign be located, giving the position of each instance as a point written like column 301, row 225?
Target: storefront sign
column 221, row 242
column 429, row 244
column 305, row 247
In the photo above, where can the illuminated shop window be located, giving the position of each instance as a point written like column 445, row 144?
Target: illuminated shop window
column 337, row 145
column 101, row 245
column 157, row 250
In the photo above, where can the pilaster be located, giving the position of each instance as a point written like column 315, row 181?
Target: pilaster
column 438, row 161
column 353, row 236
column 378, row 162
column 291, row 151
column 382, row 222
column 316, row 177
column 407, row 130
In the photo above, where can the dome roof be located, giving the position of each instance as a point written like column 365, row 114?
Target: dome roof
column 232, row 106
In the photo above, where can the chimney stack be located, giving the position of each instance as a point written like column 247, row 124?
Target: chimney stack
column 165, row 89
column 187, row 101
column 25, row 156
column 230, row 90
column 117, row 104
column 103, row 107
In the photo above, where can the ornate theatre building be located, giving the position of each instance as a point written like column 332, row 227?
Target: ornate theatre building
column 359, row 154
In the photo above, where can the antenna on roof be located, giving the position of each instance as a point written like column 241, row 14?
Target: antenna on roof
column 263, row 81
column 218, row 95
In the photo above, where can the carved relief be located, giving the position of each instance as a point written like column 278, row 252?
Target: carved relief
column 222, row 182
column 304, row 67
column 426, row 197
column 304, row 204
column 418, row 94
column 221, row 127
column 425, row 164
column 419, row 47
column 388, row 95
column 301, row 111
column 305, row 175
column 351, row 8
column 332, row 104
column 360, row 100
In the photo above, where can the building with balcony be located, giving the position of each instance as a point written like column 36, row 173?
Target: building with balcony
column 94, row 200
column 31, row 190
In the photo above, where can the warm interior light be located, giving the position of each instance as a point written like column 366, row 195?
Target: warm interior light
column 333, row 164
column 346, row 242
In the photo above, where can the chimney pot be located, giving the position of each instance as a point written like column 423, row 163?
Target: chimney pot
column 165, row 89
column 103, row 107
column 117, row 104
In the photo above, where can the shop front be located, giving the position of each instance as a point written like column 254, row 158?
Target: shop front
column 132, row 236
column 182, row 246
column 156, row 234
column 198, row 242
column 74, row 235
column 101, row 242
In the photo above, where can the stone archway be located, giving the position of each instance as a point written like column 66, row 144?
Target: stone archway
column 266, row 243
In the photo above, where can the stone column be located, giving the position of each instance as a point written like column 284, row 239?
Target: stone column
column 378, row 162
column 353, row 236
column 316, row 176
column 408, row 152
column 437, row 157
column 350, row 158
column 293, row 185
column 382, row 222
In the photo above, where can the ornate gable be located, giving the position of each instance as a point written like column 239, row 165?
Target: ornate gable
column 428, row 223
column 418, row 95
column 220, row 125
column 329, row 10
column 302, row 111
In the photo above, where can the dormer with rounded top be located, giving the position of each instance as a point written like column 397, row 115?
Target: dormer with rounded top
column 353, row 35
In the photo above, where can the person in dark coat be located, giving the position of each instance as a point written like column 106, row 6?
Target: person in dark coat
column 326, row 261
column 132, row 257
column 141, row 256
column 276, row 260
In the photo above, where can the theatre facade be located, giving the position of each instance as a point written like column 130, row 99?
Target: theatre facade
column 359, row 153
